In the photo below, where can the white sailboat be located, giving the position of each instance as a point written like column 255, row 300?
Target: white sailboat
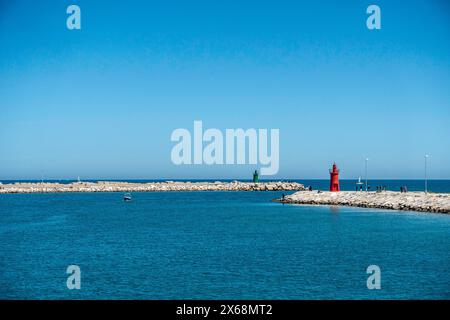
column 359, row 181
column 359, row 184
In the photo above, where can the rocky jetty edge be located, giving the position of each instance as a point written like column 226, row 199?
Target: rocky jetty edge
column 409, row 201
column 110, row 186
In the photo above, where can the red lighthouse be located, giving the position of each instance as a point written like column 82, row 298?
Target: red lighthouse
column 334, row 179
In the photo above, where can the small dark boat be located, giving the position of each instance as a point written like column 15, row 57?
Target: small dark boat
column 127, row 197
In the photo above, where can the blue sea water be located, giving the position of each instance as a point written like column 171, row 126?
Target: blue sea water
column 216, row 245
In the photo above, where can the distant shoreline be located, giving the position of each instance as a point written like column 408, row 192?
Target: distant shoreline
column 117, row 186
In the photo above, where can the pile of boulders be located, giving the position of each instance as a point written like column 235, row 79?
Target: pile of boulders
column 410, row 201
column 110, row 186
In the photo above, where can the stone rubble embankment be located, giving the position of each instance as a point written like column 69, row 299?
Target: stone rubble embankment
column 110, row 186
column 409, row 201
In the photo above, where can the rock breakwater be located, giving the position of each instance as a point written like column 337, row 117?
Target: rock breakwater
column 409, row 201
column 110, row 186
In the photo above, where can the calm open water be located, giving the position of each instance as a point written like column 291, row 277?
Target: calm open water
column 221, row 245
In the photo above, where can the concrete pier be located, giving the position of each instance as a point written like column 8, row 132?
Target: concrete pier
column 410, row 201
column 109, row 186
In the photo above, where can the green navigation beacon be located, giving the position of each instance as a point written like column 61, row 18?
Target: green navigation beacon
column 255, row 176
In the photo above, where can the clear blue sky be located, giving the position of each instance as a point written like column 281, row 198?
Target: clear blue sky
column 101, row 102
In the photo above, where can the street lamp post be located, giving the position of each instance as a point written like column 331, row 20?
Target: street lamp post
column 426, row 178
column 367, row 159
